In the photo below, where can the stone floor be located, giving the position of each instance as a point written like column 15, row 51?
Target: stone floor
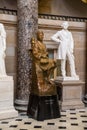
column 74, row 119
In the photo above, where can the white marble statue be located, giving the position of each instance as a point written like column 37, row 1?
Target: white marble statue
column 65, row 49
column 2, row 50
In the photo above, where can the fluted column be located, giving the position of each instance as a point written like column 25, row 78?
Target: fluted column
column 27, row 26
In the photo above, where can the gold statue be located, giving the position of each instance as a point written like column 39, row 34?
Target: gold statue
column 44, row 67
column 85, row 1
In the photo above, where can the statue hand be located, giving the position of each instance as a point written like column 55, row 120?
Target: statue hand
column 71, row 50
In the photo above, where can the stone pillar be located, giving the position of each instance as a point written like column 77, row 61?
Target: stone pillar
column 27, row 26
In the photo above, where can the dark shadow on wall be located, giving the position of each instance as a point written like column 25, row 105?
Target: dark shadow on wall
column 8, row 4
column 78, row 7
column 86, row 63
column 74, row 8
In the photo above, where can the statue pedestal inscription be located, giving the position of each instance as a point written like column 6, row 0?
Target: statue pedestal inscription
column 7, row 109
column 72, row 91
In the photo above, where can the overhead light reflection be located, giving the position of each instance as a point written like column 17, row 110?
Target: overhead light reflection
column 85, row 1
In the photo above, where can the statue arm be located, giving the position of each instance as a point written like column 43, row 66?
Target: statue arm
column 35, row 49
column 56, row 38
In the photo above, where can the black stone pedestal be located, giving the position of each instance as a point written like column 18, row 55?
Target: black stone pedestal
column 43, row 107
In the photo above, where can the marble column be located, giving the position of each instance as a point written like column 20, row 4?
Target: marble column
column 27, row 26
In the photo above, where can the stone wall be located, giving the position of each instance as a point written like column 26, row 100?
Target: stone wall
column 8, row 4
column 44, row 6
column 75, row 8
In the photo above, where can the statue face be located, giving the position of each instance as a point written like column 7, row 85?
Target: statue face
column 40, row 36
column 65, row 25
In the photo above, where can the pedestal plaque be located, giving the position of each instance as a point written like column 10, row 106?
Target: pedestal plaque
column 72, row 92
column 7, row 109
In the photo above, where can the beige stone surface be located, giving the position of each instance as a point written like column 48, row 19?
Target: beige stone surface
column 11, row 64
column 72, row 93
column 7, row 109
column 11, row 36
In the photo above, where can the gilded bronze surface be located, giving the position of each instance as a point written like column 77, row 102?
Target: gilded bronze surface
column 43, row 67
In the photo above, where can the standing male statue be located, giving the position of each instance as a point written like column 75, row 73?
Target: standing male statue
column 65, row 50
column 2, row 50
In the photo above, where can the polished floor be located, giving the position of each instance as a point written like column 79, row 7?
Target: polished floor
column 74, row 119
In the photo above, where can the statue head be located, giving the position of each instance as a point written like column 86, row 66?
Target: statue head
column 65, row 25
column 40, row 35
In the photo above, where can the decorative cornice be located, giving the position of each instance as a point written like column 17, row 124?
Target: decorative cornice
column 8, row 11
column 56, row 24
column 47, row 16
column 63, row 18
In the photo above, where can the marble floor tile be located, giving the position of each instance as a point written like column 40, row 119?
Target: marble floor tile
column 74, row 119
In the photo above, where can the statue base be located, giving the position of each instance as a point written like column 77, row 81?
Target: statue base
column 21, row 105
column 6, row 98
column 43, row 107
column 72, row 92
column 67, row 78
